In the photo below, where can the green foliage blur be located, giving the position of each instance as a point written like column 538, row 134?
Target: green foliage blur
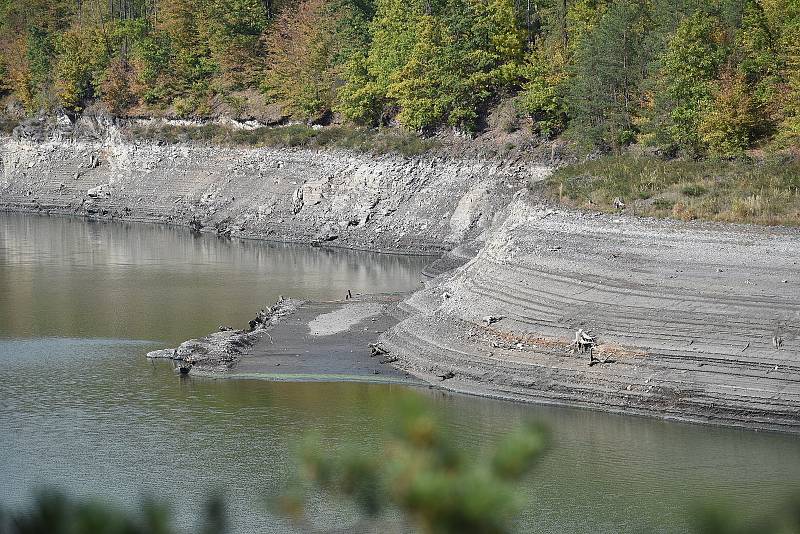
column 422, row 473
column 55, row 513
column 722, row 520
column 698, row 78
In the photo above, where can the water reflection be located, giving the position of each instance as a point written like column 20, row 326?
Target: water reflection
column 68, row 277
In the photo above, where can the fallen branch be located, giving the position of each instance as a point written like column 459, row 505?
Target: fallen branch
column 491, row 319
column 594, row 361
column 584, row 342
column 377, row 350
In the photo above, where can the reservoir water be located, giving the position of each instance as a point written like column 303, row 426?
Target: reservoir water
column 82, row 409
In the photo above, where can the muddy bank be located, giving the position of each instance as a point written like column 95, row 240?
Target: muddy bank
column 220, row 351
column 297, row 340
column 421, row 205
column 696, row 322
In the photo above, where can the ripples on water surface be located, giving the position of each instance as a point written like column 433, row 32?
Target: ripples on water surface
column 81, row 408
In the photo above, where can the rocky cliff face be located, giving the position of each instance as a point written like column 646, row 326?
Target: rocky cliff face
column 389, row 203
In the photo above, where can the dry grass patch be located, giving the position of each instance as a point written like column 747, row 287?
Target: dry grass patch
column 762, row 192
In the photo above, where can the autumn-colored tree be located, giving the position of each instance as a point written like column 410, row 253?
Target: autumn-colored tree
column 192, row 66
column 17, row 77
column 300, row 62
column 727, row 126
column 234, row 29
column 117, row 87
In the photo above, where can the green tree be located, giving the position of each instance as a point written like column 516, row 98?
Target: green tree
column 191, row 63
column 364, row 96
column 487, row 47
column 149, row 60
column 790, row 127
column 40, row 55
column 543, row 96
column 434, row 63
column 689, row 68
column 82, row 59
column 609, row 71
column 783, row 19
column 419, row 87
column 760, row 68
column 550, row 66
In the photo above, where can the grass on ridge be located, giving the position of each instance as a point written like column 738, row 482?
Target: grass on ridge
column 762, row 192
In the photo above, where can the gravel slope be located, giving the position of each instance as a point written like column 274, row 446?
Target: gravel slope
column 687, row 313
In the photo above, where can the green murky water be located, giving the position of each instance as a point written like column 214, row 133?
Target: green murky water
column 81, row 408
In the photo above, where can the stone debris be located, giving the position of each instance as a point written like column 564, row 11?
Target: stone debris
column 101, row 191
column 583, row 342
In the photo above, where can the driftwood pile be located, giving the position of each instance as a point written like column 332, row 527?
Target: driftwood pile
column 585, row 343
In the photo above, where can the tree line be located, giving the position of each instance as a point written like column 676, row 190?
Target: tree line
column 696, row 77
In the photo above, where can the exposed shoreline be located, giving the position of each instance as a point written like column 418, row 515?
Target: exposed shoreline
column 686, row 313
column 423, row 205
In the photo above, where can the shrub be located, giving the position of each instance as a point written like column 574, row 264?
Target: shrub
column 694, row 190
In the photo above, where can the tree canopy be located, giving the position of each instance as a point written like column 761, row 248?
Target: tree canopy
column 698, row 77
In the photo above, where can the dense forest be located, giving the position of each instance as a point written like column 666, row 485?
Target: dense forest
column 692, row 77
